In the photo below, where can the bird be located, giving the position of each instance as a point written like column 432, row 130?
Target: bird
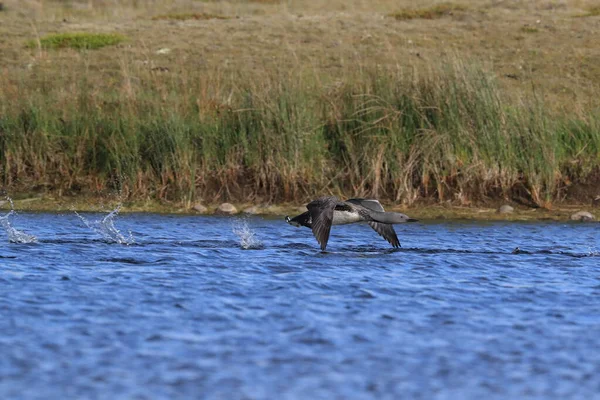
column 329, row 210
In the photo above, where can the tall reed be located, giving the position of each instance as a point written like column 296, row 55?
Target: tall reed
column 443, row 134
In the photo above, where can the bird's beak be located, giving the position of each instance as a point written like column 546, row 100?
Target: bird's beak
column 289, row 221
column 412, row 220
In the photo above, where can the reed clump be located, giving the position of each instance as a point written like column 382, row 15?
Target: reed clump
column 444, row 134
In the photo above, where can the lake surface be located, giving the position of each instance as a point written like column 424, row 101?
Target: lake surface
column 230, row 308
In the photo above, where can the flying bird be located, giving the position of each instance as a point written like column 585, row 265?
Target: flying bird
column 326, row 211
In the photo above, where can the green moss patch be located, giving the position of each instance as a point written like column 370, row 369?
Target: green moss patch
column 437, row 11
column 77, row 40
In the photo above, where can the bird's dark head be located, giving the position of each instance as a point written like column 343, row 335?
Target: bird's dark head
column 291, row 222
column 391, row 217
column 400, row 218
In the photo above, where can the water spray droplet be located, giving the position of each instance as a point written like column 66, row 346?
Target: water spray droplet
column 106, row 228
column 248, row 239
column 14, row 235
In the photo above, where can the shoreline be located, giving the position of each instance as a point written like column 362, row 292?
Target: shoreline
column 423, row 212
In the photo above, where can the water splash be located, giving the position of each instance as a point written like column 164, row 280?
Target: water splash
column 106, row 228
column 248, row 240
column 14, row 235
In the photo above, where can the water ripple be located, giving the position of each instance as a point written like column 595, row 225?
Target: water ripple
column 186, row 309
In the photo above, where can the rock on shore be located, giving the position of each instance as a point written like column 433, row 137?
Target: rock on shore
column 582, row 216
column 505, row 209
column 199, row 208
column 226, row 209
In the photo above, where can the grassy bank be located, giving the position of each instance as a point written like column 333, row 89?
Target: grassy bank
column 445, row 134
column 447, row 128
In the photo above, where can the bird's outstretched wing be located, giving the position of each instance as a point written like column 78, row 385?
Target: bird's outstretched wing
column 321, row 213
column 385, row 230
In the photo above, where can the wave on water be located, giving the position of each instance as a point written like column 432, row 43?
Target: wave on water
column 366, row 249
column 516, row 251
column 106, row 228
column 246, row 236
column 593, row 252
column 14, row 235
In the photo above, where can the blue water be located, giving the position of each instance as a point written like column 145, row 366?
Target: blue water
column 185, row 311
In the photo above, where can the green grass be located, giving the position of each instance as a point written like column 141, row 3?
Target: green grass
column 436, row 11
column 187, row 16
column 529, row 29
column 267, row 2
column 264, row 1
column 445, row 134
column 593, row 11
column 80, row 40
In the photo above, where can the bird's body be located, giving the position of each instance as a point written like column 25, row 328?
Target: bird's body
column 327, row 211
column 345, row 217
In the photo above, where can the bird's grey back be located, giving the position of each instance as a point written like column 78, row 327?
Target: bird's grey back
column 371, row 204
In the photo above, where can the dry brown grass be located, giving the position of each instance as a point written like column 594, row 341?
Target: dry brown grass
column 323, row 38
